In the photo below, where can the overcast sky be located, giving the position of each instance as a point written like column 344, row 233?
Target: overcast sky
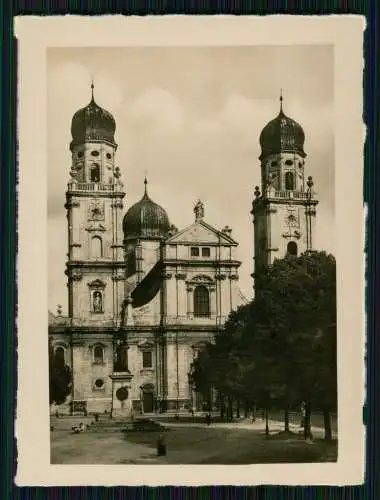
column 191, row 118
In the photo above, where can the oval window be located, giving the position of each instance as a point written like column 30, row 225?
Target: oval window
column 109, row 156
column 80, row 154
column 95, row 153
column 289, row 162
column 274, row 164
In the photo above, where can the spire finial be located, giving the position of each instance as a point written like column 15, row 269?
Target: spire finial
column 92, row 89
column 145, row 183
column 281, row 99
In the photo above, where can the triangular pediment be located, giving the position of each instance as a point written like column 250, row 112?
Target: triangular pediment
column 203, row 233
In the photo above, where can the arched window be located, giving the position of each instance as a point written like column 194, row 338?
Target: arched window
column 95, row 173
column 96, row 247
column 289, row 181
column 292, row 248
column 59, row 357
column 98, row 355
column 201, row 301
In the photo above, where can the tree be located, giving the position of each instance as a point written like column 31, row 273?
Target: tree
column 59, row 378
column 281, row 348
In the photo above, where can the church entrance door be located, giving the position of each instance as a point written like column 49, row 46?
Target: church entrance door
column 148, row 402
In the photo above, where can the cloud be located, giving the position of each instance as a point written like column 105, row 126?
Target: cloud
column 158, row 110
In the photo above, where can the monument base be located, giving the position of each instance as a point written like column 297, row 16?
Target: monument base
column 121, row 394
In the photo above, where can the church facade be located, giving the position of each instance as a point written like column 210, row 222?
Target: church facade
column 143, row 296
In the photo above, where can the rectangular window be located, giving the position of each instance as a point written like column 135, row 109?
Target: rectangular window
column 147, row 359
column 194, row 252
column 205, row 252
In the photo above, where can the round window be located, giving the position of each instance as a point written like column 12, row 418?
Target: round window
column 122, row 394
column 289, row 162
column 95, row 153
column 99, row 383
column 109, row 156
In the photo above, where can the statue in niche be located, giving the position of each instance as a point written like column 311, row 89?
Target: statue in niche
column 97, row 302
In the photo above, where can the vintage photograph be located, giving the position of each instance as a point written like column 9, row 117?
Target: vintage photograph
column 192, row 290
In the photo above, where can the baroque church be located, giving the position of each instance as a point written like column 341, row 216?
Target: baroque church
column 145, row 297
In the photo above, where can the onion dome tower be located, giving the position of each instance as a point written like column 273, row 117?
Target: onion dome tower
column 94, row 204
column 284, row 206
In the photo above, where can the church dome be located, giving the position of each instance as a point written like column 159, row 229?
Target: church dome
column 145, row 219
column 283, row 134
column 92, row 123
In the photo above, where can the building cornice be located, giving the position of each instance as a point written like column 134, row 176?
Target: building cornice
column 201, row 263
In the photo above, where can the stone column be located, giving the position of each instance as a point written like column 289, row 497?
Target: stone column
column 190, row 301
column 77, row 361
column 212, row 290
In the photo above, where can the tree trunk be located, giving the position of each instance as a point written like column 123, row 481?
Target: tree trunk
column 327, row 424
column 254, row 413
column 229, row 411
column 286, row 418
column 307, row 426
column 222, row 409
column 266, row 422
column 237, row 408
column 246, row 408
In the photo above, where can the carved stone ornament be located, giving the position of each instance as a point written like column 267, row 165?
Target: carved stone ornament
column 234, row 277
column 72, row 204
column 220, row 276
column 292, row 233
column 292, row 217
column 146, row 345
column 96, row 284
column 202, row 278
column 118, row 277
column 95, row 227
column 166, row 276
column 75, row 276
column 96, row 210
column 180, row 276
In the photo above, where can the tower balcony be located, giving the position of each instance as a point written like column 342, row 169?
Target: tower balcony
column 90, row 187
column 290, row 195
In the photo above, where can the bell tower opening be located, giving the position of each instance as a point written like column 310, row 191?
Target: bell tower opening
column 95, row 172
column 289, row 181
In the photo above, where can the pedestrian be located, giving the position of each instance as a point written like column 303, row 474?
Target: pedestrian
column 161, row 446
column 303, row 413
column 208, row 418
